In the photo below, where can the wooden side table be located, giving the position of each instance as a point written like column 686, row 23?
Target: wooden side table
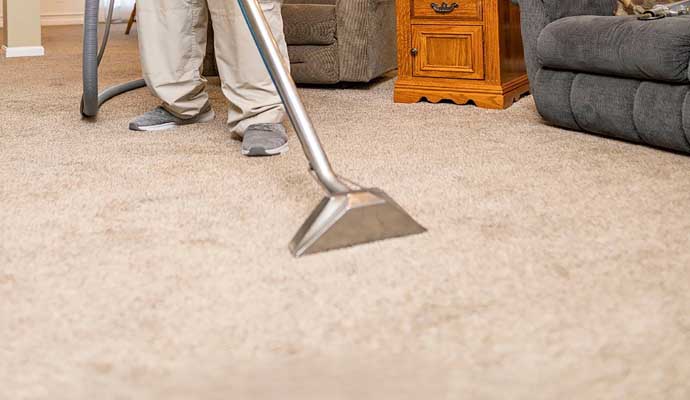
column 465, row 50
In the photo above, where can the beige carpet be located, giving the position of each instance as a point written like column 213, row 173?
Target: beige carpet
column 155, row 266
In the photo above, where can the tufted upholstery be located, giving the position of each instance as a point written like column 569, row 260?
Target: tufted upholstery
column 613, row 76
column 623, row 47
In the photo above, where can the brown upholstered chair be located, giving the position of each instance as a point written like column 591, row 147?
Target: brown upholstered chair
column 332, row 41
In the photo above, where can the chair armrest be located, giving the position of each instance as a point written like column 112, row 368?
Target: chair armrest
column 533, row 19
column 536, row 14
column 366, row 33
column 557, row 9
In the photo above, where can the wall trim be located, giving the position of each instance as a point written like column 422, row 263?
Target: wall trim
column 24, row 51
column 58, row 19
column 62, row 19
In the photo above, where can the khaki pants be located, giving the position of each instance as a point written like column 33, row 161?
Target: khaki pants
column 172, row 44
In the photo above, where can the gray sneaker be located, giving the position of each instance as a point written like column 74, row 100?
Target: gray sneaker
column 264, row 140
column 159, row 119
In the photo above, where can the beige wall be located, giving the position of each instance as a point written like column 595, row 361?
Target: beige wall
column 22, row 24
column 59, row 12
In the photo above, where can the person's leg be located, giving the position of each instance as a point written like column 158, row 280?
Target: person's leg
column 255, row 106
column 172, row 45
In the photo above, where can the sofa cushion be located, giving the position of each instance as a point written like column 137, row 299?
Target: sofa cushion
column 619, row 46
column 309, row 24
column 314, row 64
column 653, row 113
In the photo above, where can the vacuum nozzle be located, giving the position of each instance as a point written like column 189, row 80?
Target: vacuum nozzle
column 351, row 218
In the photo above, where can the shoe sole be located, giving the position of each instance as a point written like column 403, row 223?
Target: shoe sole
column 202, row 119
column 261, row 152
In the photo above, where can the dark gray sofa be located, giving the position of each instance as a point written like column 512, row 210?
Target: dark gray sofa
column 614, row 76
column 332, row 41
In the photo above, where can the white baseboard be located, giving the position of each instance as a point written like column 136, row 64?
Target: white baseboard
column 26, row 51
column 62, row 19
column 58, row 19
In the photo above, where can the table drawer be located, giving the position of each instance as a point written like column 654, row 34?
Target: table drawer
column 449, row 9
column 448, row 51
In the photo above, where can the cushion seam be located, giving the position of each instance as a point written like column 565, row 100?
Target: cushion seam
column 682, row 115
column 634, row 118
column 570, row 101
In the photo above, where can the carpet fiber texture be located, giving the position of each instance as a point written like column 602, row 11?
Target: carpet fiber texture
column 155, row 265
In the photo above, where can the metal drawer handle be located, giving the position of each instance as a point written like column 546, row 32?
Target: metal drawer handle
column 444, row 8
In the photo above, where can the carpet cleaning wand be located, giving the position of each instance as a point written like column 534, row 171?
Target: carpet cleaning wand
column 346, row 216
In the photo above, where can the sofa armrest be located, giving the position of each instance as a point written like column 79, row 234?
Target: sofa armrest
column 533, row 19
column 557, row 9
column 536, row 14
column 366, row 32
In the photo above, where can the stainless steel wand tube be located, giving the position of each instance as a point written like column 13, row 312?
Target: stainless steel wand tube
column 279, row 71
